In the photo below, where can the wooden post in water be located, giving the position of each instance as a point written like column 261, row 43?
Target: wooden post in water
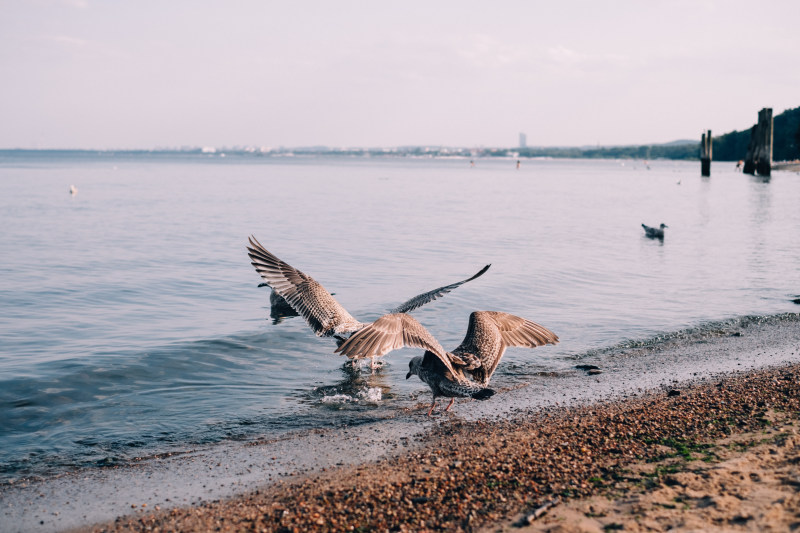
column 759, row 150
column 705, row 154
column 764, row 152
column 749, row 159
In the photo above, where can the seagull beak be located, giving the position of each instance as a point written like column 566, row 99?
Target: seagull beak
column 408, row 375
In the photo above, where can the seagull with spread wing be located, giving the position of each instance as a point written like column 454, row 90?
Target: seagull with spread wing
column 465, row 372
column 321, row 311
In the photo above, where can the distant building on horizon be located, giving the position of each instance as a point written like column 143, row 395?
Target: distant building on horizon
column 523, row 140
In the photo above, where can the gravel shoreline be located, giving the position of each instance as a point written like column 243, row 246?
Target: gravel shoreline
column 480, row 475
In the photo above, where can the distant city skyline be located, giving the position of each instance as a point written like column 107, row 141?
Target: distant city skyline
column 80, row 74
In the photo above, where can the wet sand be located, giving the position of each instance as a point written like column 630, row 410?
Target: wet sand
column 715, row 455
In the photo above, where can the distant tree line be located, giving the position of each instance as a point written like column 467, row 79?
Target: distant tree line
column 655, row 151
column 728, row 147
column 785, row 140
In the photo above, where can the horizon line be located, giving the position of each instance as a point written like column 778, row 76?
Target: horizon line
column 210, row 149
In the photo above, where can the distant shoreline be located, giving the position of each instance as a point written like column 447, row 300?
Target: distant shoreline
column 676, row 152
column 611, row 153
column 790, row 166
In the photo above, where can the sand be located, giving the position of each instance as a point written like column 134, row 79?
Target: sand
column 748, row 482
column 717, row 456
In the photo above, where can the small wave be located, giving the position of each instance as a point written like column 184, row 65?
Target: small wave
column 731, row 327
column 337, row 399
column 371, row 395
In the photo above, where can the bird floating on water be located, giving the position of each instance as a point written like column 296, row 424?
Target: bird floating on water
column 73, row 190
column 308, row 298
column 655, row 233
column 278, row 307
column 465, row 372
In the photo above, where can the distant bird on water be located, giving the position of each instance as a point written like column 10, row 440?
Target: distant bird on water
column 465, row 372
column 654, row 233
column 73, row 190
column 308, row 298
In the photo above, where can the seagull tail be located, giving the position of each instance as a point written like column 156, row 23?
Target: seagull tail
column 483, row 394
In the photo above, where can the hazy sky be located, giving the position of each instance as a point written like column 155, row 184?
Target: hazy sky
column 144, row 74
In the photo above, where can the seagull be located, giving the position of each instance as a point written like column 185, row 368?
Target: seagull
column 278, row 307
column 654, row 233
column 464, row 372
column 308, row 298
column 73, row 190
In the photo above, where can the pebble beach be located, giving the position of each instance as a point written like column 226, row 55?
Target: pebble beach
column 523, row 471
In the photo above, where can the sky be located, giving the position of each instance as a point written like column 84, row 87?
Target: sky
column 145, row 74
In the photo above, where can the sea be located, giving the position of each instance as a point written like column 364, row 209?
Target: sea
column 132, row 323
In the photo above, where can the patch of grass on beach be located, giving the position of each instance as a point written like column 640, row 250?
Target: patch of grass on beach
column 665, row 470
column 597, row 481
column 686, row 448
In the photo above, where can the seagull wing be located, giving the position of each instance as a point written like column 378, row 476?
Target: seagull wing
column 302, row 292
column 517, row 331
column 426, row 297
column 491, row 332
column 392, row 332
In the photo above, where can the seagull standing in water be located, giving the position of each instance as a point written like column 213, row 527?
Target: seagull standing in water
column 465, row 372
column 321, row 311
column 654, row 233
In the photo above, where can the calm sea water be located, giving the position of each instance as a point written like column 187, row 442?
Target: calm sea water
column 131, row 322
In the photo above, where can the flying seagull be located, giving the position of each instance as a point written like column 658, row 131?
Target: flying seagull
column 464, row 372
column 654, row 233
column 308, row 298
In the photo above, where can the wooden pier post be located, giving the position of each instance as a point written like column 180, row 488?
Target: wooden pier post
column 759, row 150
column 749, row 159
column 705, row 154
column 764, row 154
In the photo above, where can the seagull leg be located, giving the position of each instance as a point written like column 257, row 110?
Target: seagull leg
column 449, row 405
column 432, row 406
column 373, row 365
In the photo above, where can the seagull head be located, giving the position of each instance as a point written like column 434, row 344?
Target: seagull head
column 413, row 366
